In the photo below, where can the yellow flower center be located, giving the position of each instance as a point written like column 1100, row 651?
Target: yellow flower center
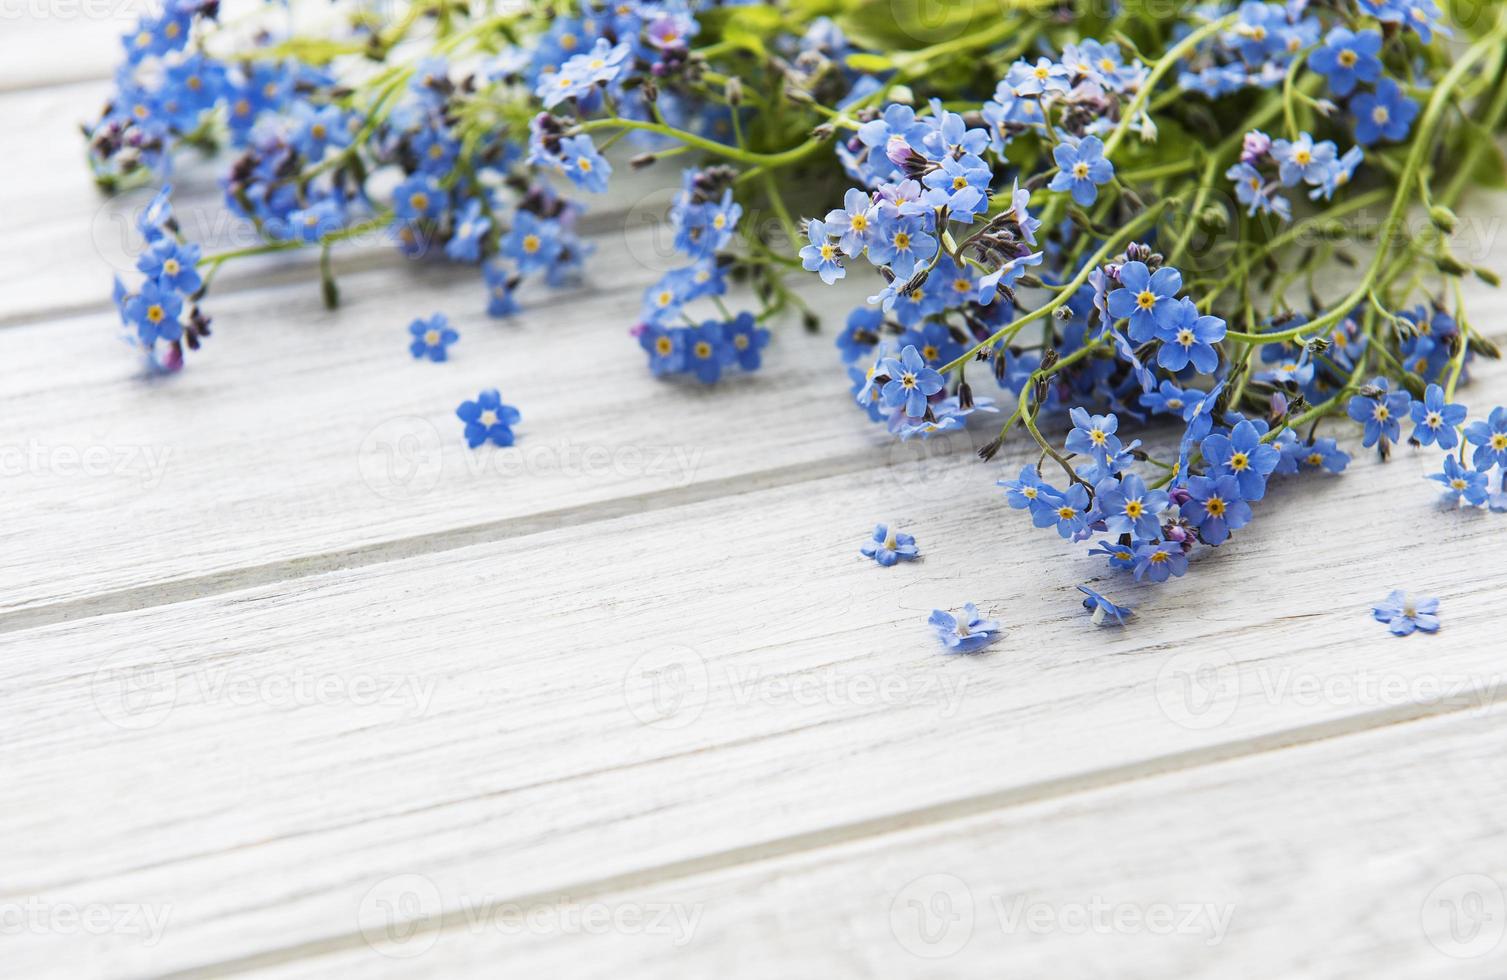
column 959, row 182
column 1146, row 299
column 1499, row 441
column 1080, row 170
column 1347, row 58
column 1215, row 507
column 930, row 353
column 859, row 222
column 1134, row 508
column 318, row 131
column 1096, row 436
column 419, row 200
column 703, row 349
column 1380, row 115
column 1159, row 557
column 907, row 380
column 531, row 244
column 171, row 267
column 1185, row 337
column 828, row 252
column 1381, row 413
column 156, row 313
column 1239, row 462
column 431, row 337
column 741, row 341
column 1433, row 420
column 1066, row 513
column 488, row 418
column 1457, row 484
column 902, row 240
column 663, row 346
column 1315, row 459
column 584, row 165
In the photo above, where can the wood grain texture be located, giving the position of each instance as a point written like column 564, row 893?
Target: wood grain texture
column 508, row 751
column 1371, row 855
column 272, row 642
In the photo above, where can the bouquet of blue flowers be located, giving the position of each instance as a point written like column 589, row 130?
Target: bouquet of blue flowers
column 1116, row 218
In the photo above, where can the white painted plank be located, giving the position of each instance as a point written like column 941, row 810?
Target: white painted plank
column 54, row 42
column 290, row 433
column 510, row 758
column 1375, row 855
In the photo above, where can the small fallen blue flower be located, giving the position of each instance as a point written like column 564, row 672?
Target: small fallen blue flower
column 889, row 546
column 1404, row 615
column 432, row 337
column 1103, row 610
column 1121, row 556
column 1459, row 481
column 964, row 634
column 487, row 418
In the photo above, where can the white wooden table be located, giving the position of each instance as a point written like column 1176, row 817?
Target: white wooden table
column 294, row 684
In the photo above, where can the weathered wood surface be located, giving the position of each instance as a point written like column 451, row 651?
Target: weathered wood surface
column 285, row 669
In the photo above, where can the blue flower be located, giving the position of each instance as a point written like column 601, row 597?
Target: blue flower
column 1081, row 169
column 1388, row 114
column 889, row 546
column 154, row 312
column 964, row 634
column 1187, row 337
column 1103, row 610
column 500, row 285
column 580, row 161
column 1093, row 435
column 902, row 243
column 1243, row 456
column 1005, row 276
column 707, row 351
column 1145, row 298
column 1346, row 58
column 418, row 198
column 1404, row 615
column 1168, row 399
column 961, row 186
column 1324, row 454
column 1129, row 508
column 533, row 243
column 1069, row 511
column 174, row 266
column 1157, row 560
column 1120, row 556
column 855, row 222
column 432, row 337
column 665, row 347
column 933, row 342
column 1490, row 440
column 1024, row 492
column 1461, row 482
column 1304, row 160
column 747, row 340
column 1434, row 421
column 488, row 418
column 1045, row 76
column 316, row 129
column 470, row 226
column 821, row 256
column 859, row 338
column 911, row 382
column 580, row 74
column 1381, row 413
column 1215, row 507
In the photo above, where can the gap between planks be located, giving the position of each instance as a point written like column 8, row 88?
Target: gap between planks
column 871, row 829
